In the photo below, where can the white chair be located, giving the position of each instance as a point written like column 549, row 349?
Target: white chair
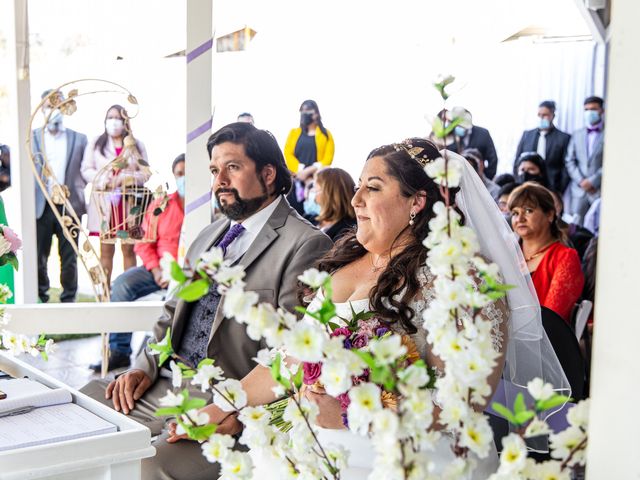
column 582, row 315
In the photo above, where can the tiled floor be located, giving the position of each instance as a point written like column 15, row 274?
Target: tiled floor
column 71, row 360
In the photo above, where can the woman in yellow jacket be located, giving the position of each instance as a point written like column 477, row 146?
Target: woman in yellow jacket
column 308, row 148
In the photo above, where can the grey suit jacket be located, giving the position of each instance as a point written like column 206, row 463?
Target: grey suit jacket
column 76, row 144
column 581, row 166
column 285, row 247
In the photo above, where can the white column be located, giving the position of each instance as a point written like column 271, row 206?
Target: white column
column 199, row 116
column 20, row 198
column 614, row 446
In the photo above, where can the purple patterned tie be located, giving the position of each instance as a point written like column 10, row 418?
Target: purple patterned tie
column 233, row 233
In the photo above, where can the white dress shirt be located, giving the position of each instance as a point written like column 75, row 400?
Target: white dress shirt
column 252, row 225
column 55, row 147
column 542, row 144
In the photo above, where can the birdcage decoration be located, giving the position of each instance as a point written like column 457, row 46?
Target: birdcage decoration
column 129, row 197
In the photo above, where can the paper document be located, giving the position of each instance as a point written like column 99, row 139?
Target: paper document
column 23, row 392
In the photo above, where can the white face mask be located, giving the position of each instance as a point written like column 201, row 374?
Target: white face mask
column 114, row 126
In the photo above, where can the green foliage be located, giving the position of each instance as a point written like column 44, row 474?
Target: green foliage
column 122, row 234
column 277, row 376
column 177, row 274
column 195, row 290
column 553, row 402
column 200, row 432
column 442, row 85
column 11, row 259
column 164, row 348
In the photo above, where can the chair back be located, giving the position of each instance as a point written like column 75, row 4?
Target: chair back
column 582, row 315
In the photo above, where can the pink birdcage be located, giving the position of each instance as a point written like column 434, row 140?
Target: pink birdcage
column 128, row 203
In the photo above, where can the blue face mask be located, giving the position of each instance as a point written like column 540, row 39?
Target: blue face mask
column 544, row 123
column 591, row 117
column 310, row 205
column 460, row 131
column 180, row 185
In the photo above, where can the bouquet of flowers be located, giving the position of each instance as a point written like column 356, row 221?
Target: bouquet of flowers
column 9, row 245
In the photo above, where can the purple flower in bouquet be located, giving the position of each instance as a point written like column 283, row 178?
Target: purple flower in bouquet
column 381, row 331
column 362, row 378
column 12, row 238
column 312, row 372
column 360, row 340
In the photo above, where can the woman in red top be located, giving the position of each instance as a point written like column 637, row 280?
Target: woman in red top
column 555, row 268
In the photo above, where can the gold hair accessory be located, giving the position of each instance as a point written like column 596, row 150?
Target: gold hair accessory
column 416, row 153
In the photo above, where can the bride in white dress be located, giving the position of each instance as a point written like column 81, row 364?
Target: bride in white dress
column 382, row 268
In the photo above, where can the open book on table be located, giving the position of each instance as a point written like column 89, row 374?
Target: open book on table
column 34, row 414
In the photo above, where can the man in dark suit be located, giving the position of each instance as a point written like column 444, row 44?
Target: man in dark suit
column 550, row 143
column 261, row 232
column 64, row 149
column 466, row 135
column 584, row 160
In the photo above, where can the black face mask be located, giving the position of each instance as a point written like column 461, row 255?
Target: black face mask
column 306, row 118
column 531, row 177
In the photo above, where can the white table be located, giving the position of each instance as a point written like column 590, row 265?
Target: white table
column 114, row 456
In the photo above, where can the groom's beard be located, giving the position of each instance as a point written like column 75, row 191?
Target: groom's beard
column 241, row 208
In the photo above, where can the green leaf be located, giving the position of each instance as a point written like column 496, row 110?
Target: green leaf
column 201, row 432
column 42, row 340
column 504, row 411
column 454, row 123
column 163, row 357
column 44, row 355
column 123, row 234
column 174, row 411
column 333, row 326
column 297, row 378
column 135, row 210
column 177, row 274
column 12, row 260
column 194, row 403
column 437, row 128
column 302, row 310
column 366, row 357
column 195, row 290
column 206, row 361
column 524, row 417
column 275, row 368
column 157, row 211
column 552, row 402
column 518, row 404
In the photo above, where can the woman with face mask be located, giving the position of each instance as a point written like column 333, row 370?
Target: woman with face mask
column 308, row 147
column 531, row 168
column 99, row 153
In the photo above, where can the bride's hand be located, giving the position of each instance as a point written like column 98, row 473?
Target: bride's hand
column 330, row 415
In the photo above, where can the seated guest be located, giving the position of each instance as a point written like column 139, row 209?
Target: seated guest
column 334, row 189
column 530, row 167
column 474, row 157
column 578, row 236
column 503, row 198
column 504, row 178
column 555, row 268
column 140, row 281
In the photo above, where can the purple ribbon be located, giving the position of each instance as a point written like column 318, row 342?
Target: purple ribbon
column 205, row 127
column 198, row 202
column 196, row 52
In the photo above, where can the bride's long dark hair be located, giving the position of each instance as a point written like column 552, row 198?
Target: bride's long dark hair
column 401, row 270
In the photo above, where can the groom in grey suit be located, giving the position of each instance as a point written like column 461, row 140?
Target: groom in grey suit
column 261, row 232
column 64, row 149
column 584, row 160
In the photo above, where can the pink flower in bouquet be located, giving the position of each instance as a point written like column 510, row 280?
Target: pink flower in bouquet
column 312, row 372
column 344, row 401
column 344, row 331
column 361, row 340
column 368, row 327
column 12, row 238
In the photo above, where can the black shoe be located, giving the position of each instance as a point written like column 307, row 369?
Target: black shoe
column 116, row 360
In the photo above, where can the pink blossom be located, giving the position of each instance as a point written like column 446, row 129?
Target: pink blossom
column 344, row 331
column 367, row 327
column 361, row 340
column 312, row 372
column 344, row 401
column 12, row 238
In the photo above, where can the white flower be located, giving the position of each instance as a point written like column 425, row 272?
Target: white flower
column 305, row 342
column 171, row 399
column 11, row 342
column 237, row 302
column 536, row 428
column 388, row 349
column 205, row 374
column 212, row 260
column 217, row 447
column 162, row 343
column 176, row 374
column 365, row 401
column 578, row 416
column 414, row 377
column 419, row 406
column 5, row 293
column 196, row 416
column 5, row 246
column 254, row 417
column 294, row 414
column 278, row 391
column 229, row 275
column 335, row 378
column 338, row 455
column 50, row 347
column 237, row 465
column 540, row 390
column 166, row 263
column 439, row 170
column 385, row 425
column 514, row 454
column 314, row 278
column 477, row 435
column 233, row 393
column 549, row 470
column 265, row 357
column 260, row 319
column 564, row 442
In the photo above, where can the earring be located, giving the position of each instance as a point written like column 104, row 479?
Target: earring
column 412, row 217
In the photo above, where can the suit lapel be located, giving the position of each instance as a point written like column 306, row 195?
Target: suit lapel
column 265, row 238
column 71, row 142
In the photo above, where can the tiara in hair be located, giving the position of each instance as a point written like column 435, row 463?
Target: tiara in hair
column 416, row 153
